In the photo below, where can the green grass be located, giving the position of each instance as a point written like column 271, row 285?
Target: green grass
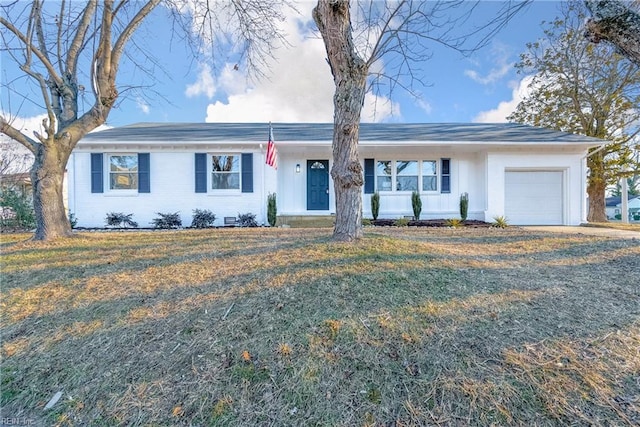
column 285, row 327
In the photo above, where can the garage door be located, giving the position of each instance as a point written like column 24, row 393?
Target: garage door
column 534, row 197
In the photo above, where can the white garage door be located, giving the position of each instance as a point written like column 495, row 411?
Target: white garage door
column 534, row 197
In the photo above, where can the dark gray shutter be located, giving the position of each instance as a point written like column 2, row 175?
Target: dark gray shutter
column 247, row 172
column 445, row 176
column 97, row 180
column 144, row 173
column 369, row 176
column 201, row 172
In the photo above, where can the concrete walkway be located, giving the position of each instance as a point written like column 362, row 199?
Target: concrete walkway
column 589, row 231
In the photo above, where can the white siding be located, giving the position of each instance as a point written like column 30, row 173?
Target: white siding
column 172, row 190
column 570, row 164
column 467, row 175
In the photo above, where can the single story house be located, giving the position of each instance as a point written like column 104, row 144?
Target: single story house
column 529, row 175
column 613, row 206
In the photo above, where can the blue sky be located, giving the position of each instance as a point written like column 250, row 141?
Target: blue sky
column 299, row 86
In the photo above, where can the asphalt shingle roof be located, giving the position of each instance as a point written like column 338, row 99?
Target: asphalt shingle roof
column 258, row 132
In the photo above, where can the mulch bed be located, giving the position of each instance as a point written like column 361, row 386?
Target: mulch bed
column 431, row 223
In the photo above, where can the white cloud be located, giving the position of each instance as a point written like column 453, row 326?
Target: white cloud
column 143, row 106
column 499, row 114
column 499, row 56
column 204, row 85
column 425, row 106
column 298, row 88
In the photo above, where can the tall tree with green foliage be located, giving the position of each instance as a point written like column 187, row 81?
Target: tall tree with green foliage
column 586, row 89
column 72, row 50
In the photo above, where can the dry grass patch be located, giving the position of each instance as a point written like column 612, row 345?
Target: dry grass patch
column 285, row 327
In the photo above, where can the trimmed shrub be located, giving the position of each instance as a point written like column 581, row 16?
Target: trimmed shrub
column 416, row 204
column 247, row 220
column 401, row 222
column 167, row 220
column 375, row 205
column 464, row 206
column 272, row 209
column 73, row 221
column 202, row 218
column 119, row 219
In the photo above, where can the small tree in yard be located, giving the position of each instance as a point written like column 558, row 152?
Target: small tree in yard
column 375, row 205
column 416, row 204
column 359, row 37
column 464, row 206
column 272, row 209
column 72, row 51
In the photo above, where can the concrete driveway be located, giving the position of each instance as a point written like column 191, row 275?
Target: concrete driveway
column 589, row 231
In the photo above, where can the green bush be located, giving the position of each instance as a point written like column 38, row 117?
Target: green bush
column 17, row 210
column 401, row 222
column 464, row 206
column 617, row 216
column 119, row 219
column 247, row 220
column 375, row 205
column 500, row 222
column 366, row 222
column 73, row 220
column 416, row 204
column 202, row 218
column 167, row 220
column 272, row 209
column 453, row 222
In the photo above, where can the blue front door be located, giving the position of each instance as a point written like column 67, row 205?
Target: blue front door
column 317, row 185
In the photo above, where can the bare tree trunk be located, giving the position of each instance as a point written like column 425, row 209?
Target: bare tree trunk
column 347, row 171
column 596, row 189
column 616, row 22
column 47, row 176
column 350, row 77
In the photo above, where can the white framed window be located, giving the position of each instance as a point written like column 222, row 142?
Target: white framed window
column 123, row 172
column 384, row 175
column 225, row 172
column 406, row 175
column 429, row 175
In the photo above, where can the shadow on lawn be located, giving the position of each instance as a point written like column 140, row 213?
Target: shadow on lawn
column 388, row 330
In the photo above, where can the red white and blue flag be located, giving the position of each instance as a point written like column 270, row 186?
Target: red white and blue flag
column 272, row 153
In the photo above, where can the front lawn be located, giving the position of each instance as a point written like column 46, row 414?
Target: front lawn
column 283, row 327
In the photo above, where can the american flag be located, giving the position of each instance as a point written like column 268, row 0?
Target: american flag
column 272, row 152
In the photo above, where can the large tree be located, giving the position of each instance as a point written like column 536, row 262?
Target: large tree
column 373, row 43
column 586, row 89
column 73, row 51
column 617, row 22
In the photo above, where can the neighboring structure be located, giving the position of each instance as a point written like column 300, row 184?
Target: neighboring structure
column 19, row 182
column 530, row 175
column 614, row 207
